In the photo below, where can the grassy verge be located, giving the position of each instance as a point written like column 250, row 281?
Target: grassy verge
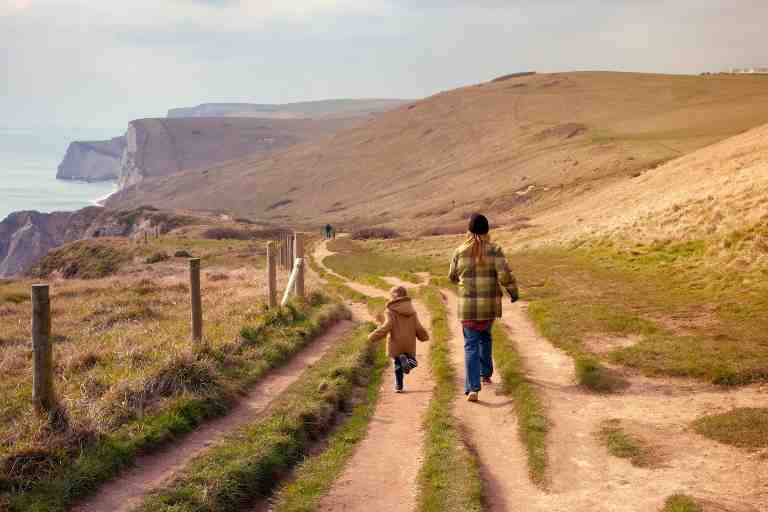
column 533, row 424
column 247, row 463
column 623, row 444
column 317, row 474
column 449, row 478
column 743, row 427
column 681, row 503
column 548, row 317
column 348, row 262
column 337, row 287
column 170, row 402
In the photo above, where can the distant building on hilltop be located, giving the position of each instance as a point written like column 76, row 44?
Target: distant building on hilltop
column 749, row 71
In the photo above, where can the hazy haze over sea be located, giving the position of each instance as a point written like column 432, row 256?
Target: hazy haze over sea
column 28, row 161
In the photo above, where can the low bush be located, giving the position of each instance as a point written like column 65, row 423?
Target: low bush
column 375, row 234
column 224, row 233
column 157, row 258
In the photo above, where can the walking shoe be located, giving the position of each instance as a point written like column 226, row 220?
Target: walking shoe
column 400, row 390
column 487, row 380
column 472, row 396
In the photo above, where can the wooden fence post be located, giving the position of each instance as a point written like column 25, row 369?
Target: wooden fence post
column 282, row 251
column 291, row 252
column 298, row 244
column 43, row 397
column 271, row 276
column 197, row 303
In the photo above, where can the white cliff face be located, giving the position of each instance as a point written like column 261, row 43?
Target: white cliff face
column 92, row 160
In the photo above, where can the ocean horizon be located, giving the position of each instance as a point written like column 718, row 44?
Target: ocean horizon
column 28, row 162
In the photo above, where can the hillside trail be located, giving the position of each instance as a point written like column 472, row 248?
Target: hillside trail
column 151, row 471
column 382, row 474
column 582, row 475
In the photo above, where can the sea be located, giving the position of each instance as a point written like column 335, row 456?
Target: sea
column 29, row 157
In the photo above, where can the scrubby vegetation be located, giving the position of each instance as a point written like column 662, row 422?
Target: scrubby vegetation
column 375, row 233
column 128, row 378
column 743, row 427
column 623, row 444
column 681, row 503
column 87, row 259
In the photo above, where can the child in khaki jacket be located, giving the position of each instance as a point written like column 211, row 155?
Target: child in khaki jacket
column 403, row 326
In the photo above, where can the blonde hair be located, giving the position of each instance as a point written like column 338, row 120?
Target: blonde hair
column 478, row 244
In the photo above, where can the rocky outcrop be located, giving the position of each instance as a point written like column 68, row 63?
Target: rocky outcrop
column 27, row 236
column 92, row 160
column 161, row 147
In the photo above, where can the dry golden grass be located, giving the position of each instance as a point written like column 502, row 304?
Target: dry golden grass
column 112, row 336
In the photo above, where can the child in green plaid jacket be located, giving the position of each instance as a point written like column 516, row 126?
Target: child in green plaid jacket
column 481, row 270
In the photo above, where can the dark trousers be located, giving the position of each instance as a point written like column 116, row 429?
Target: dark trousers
column 478, row 357
column 399, row 374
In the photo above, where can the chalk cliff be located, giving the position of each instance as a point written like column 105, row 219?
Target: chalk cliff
column 97, row 160
column 161, row 147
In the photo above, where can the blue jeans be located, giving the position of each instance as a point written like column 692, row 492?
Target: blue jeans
column 478, row 357
column 398, row 374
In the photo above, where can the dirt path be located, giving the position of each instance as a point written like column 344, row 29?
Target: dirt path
column 382, row 473
column 151, row 471
column 492, row 428
column 584, row 477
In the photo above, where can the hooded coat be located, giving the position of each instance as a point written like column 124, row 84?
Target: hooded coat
column 403, row 326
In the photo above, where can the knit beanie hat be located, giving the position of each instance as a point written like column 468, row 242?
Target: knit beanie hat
column 478, row 224
column 399, row 292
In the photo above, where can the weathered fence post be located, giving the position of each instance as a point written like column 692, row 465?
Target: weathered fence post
column 298, row 244
column 291, row 251
column 271, row 276
column 282, row 251
column 197, row 303
column 43, row 397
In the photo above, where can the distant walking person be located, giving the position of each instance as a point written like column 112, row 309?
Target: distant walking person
column 328, row 231
column 403, row 326
column 481, row 270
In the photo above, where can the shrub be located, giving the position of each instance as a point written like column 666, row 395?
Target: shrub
column 375, row 233
column 182, row 254
column 455, row 229
column 157, row 258
column 222, row 233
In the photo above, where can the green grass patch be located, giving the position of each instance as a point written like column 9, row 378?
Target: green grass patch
column 681, row 503
column 743, row 427
column 247, row 464
column 558, row 326
column 338, row 288
column 533, row 424
column 196, row 386
column 366, row 262
column 316, row 475
column 690, row 318
column 624, row 445
column 449, row 478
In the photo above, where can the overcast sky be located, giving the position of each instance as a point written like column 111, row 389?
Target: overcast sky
column 102, row 63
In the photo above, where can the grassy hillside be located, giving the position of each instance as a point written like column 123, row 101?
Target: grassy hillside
column 514, row 147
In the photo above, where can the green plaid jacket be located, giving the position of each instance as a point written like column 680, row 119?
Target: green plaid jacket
column 480, row 284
